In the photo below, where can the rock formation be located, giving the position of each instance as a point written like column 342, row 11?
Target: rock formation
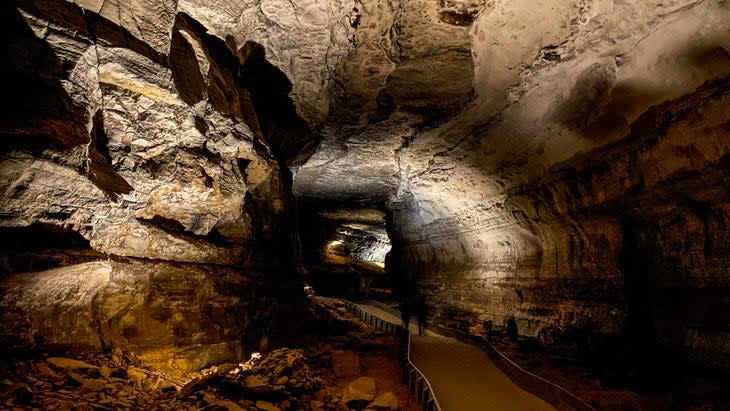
column 560, row 166
column 283, row 379
column 161, row 149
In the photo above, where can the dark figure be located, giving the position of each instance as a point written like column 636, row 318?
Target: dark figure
column 405, row 313
column 421, row 309
column 488, row 329
column 511, row 328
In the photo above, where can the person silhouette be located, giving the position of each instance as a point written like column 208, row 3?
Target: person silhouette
column 421, row 309
column 405, row 313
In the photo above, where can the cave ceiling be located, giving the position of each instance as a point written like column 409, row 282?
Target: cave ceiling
column 529, row 158
column 453, row 102
column 459, row 102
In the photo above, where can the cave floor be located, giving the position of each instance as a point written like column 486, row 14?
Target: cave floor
column 461, row 375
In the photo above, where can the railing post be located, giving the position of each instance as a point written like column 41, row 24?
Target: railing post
column 419, row 390
column 412, row 382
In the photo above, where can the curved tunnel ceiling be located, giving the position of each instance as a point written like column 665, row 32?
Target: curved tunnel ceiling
column 562, row 163
column 535, row 158
column 459, row 102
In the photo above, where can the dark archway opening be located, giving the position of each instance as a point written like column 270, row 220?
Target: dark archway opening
column 343, row 250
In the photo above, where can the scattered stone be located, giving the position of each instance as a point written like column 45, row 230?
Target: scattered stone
column 23, row 394
column 209, row 398
column 86, row 385
column 266, row 406
column 359, row 393
column 44, row 369
column 150, row 383
column 283, row 379
column 135, row 375
column 386, row 401
column 105, row 371
column 70, row 364
column 255, row 381
column 230, row 405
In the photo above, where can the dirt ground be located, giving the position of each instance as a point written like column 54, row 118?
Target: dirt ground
column 388, row 376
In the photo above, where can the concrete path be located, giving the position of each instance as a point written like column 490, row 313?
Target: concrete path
column 462, row 376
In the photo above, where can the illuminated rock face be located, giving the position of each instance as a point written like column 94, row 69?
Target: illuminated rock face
column 563, row 163
column 568, row 172
column 164, row 151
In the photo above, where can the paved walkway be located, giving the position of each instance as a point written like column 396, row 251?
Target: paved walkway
column 462, row 376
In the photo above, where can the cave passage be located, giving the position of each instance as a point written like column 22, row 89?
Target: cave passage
column 184, row 184
column 344, row 250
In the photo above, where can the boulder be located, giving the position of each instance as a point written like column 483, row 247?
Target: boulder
column 86, row 385
column 136, row 375
column 266, row 406
column 71, row 364
column 359, row 393
column 386, row 401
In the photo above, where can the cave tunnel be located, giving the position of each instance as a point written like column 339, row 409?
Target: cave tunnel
column 343, row 251
column 230, row 205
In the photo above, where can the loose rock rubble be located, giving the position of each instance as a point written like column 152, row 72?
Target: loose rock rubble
column 326, row 375
column 93, row 382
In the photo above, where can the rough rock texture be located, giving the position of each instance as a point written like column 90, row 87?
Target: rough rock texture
column 305, row 39
column 559, row 166
column 562, row 164
column 285, row 379
column 156, row 145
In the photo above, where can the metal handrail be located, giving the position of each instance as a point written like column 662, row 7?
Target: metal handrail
column 561, row 398
column 437, row 406
column 429, row 404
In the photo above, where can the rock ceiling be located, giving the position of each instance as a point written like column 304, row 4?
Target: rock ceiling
column 530, row 157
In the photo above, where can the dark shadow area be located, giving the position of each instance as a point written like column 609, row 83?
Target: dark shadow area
column 178, row 230
column 286, row 132
column 41, row 112
column 42, row 246
column 639, row 258
column 89, row 25
column 240, row 83
column 343, row 250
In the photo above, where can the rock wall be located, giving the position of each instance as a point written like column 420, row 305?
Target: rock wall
column 620, row 249
column 161, row 149
column 561, row 163
column 574, row 183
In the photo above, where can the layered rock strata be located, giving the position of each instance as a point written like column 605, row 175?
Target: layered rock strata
column 162, row 149
column 559, row 166
column 577, row 187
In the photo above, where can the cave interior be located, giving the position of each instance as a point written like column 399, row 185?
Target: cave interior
column 178, row 177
